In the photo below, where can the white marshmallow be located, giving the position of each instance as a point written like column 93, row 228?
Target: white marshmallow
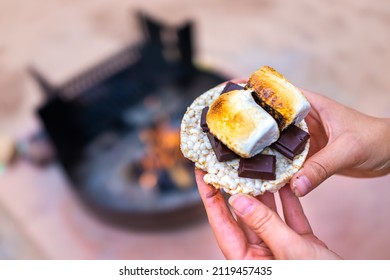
column 241, row 124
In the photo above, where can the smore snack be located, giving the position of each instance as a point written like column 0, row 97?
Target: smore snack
column 269, row 170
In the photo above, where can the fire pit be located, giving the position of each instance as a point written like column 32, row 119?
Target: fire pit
column 115, row 129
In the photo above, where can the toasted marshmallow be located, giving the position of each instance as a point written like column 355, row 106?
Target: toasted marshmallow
column 285, row 102
column 242, row 125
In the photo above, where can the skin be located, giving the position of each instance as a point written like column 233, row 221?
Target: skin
column 259, row 232
column 343, row 141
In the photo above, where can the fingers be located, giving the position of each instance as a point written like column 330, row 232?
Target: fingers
column 251, row 236
column 293, row 212
column 317, row 166
column 334, row 145
column 231, row 239
column 267, row 199
column 281, row 239
column 338, row 155
column 318, row 101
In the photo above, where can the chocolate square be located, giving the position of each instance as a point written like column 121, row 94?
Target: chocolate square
column 222, row 152
column 203, row 123
column 231, row 86
column 284, row 151
column 258, row 167
column 291, row 142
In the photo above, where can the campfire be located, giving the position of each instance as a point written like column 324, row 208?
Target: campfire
column 162, row 165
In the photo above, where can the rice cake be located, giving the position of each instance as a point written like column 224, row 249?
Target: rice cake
column 195, row 146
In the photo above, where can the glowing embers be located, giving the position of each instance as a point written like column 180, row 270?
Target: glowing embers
column 162, row 165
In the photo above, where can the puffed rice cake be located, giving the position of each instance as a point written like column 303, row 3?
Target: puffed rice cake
column 195, row 146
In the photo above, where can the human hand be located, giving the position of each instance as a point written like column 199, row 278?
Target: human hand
column 258, row 232
column 343, row 141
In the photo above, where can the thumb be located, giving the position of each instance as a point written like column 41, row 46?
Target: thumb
column 328, row 161
column 266, row 223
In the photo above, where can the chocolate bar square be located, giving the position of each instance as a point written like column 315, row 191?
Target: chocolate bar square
column 231, row 86
column 222, row 152
column 291, row 142
column 258, row 167
column 203, row 123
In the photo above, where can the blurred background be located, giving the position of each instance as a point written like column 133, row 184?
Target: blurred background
column 97, row 197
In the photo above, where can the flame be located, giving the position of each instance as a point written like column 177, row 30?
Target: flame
column 162, row 152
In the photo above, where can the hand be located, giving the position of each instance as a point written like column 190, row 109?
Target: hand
column 343, row 141
column 258, row 232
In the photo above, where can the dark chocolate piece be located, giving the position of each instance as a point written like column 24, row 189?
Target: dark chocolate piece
column 222, row 152
column 231, row 86
column 291, row 142
column 258, row 167
column 203, row 123
column 286, row 152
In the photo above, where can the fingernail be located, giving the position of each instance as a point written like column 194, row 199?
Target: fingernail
column 241, row 203
column 301, row 186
